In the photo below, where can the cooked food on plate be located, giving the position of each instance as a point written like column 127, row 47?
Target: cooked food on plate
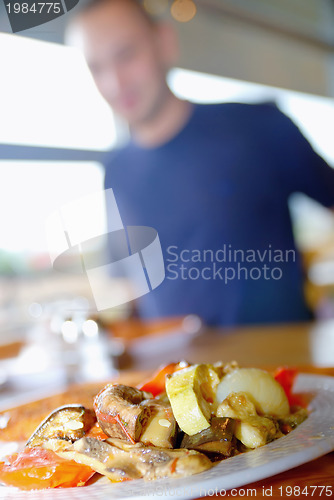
column 183, row 421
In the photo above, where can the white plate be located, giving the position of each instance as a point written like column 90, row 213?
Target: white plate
column 312, row 439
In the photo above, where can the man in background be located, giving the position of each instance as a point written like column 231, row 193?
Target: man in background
column 213, row 180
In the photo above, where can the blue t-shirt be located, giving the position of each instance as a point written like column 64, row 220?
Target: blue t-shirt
column 217, row 193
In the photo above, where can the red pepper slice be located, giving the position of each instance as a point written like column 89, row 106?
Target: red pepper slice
column 156, row 384
column 286, row 377
column 37, row 468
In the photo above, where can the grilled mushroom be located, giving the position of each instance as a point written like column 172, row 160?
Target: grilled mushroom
column 128, row 413
column 119, row 412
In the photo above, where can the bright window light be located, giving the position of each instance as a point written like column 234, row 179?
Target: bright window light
column 31, row 191
column 48, row 97
column 313, row 114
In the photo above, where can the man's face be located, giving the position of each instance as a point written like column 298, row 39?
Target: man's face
column 128, row 59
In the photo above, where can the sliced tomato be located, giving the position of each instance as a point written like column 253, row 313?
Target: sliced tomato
column 37, row 468
column 97, row 433
column 156, row 384
column 286, row 377
column 105, row 417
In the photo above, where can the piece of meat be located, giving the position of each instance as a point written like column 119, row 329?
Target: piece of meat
column 135, row 461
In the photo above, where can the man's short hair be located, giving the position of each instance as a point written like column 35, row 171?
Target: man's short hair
column 138, row 4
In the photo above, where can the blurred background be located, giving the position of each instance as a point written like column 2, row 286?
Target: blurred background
column 55, row 129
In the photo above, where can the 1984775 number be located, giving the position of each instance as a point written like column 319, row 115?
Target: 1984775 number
column 35, row 8
column 297, row 491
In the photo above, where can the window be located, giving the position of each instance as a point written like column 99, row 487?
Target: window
column 54, row 125
column 48, row 98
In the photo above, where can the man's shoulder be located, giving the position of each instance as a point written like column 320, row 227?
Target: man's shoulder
column 237, row 115
column 237, row 109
